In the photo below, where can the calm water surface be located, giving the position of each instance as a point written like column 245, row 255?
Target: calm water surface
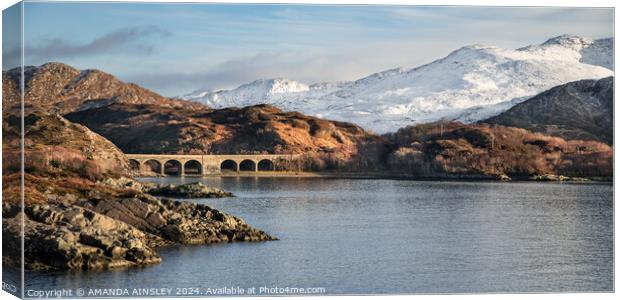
column 388, row 236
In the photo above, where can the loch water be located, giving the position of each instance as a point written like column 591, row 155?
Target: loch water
column 355, row 236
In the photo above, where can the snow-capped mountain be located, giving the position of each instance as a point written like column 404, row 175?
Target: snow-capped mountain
column 472, row 83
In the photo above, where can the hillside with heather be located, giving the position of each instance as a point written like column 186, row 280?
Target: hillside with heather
column 453, row 149
column 253, row 129
column 60, row 158
column 59, row 88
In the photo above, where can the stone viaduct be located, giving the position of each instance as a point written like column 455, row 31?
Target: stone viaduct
column 198, row 165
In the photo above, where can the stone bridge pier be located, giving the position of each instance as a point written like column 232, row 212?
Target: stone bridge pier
column 199, row 165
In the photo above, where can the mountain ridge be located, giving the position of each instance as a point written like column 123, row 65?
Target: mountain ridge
column 471, row 83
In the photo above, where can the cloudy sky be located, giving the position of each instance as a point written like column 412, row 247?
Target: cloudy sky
column 174, row 49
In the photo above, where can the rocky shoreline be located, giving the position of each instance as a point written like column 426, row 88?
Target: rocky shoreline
column 114, row 233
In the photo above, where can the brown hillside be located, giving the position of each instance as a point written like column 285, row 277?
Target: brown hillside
column 255, row 129
column 59, row 88
column 59, row 156
column 494, row 150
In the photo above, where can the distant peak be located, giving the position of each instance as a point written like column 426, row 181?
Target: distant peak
column 281, row 79
column 278, row 80
column 474, row 47
column 56, row 66
column 474, row 50
column 568, row 40
column 269, row 81
column 276, row 85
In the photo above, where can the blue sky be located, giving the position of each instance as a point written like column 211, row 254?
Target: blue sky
column 177, row 48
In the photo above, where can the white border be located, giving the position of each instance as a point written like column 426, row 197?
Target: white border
column 560, row 3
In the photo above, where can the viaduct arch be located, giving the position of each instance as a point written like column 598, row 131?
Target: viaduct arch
column 199, row 165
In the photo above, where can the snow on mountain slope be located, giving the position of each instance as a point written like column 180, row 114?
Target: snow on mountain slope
column 259, row 91
column 472, row 83
column 593, row 52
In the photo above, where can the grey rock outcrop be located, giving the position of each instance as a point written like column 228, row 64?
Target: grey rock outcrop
column 178, row 222
column 104, row 234
column 59, row 237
